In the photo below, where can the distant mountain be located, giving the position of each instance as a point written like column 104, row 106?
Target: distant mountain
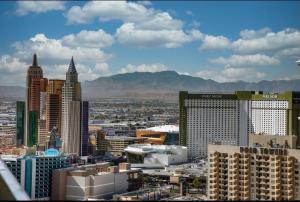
column 167, row 84
column 12, row 92
column 160, row 85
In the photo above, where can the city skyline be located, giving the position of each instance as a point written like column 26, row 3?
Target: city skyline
column 252, row 42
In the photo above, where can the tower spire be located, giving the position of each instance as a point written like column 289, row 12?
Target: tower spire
column 72, row 67
column 34, row 61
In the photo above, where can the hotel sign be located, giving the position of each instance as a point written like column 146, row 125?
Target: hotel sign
column 267, row 151
column 270, row 96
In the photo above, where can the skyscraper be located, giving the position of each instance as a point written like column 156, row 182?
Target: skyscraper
column 84, row 127
column 71, row 98
column 54, row 105
column 33, row 81
column 230, row 118
column 20, row 119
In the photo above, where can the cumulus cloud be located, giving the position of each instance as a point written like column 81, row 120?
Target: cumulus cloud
column 148, row 18
column 12, row 70
column 144, row 68
column 247, row 60
column 90, row 39
column 252, row 34
column 54, row 55
column 53, row 50
column 268, row 41
column 129, row 34
column 142, row 26
column 231, row 74
column 214, row 43
column 289, row 52
column 25, row 7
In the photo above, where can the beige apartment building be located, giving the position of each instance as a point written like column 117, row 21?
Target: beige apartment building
column 254, row 173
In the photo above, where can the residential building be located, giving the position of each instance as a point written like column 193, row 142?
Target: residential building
column 230, row 118
column 254, row 173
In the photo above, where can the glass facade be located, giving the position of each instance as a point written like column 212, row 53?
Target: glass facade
column 33, row 128
column 20, row 119
column 84, row 128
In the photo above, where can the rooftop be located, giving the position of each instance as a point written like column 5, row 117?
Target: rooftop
column 164, row 128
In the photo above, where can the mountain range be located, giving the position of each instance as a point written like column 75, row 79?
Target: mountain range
column 161, row 85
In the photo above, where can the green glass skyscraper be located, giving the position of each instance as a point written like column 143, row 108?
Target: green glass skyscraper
column 33, row 128
column 20, row 122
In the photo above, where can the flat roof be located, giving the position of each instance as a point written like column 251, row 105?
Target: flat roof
column 164, row 128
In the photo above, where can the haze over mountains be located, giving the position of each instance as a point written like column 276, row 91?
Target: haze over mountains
column 160, row 85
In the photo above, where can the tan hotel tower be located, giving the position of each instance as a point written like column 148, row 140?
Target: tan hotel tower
column 259, row 172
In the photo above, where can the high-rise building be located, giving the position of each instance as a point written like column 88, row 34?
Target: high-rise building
column 42, row 131
column 71, row 99
column 230, row 118
column 256, row 172
column 33, row 128
column 33, row 86
column 54, row 104
column 20, row 121
column 84, row 127
column 52, row 111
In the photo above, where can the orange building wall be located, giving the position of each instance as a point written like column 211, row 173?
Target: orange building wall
column 152, row 140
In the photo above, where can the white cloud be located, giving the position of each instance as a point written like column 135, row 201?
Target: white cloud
column 142, row 27
column 54, row 56
column 268, row 41
column 85, row 71
column 25, row 7
column 110, row 10
column 214, row 43
column 54, row 50
column 144, row 68
column 288, row 78
column 252, row 34
column 231, row 74
column 102, row 69
column 90, row 39
column 247, row 60
column 184, row 73
column 12, row 71
column 289, row 52
column 129, row 34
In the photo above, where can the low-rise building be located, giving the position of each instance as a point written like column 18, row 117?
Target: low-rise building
column 115, row 145
column 96, row 181
column 166, row 134
column 156, row 154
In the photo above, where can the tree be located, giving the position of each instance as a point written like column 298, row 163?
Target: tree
column 196, row 183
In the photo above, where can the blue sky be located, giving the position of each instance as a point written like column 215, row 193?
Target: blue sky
column 219, row 40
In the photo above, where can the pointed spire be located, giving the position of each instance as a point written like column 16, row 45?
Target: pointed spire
column 34, row 61
column 72, row 66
